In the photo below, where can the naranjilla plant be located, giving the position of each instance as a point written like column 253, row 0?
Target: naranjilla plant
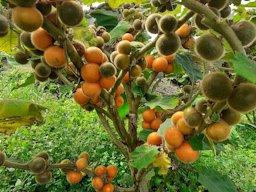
column 111, row 65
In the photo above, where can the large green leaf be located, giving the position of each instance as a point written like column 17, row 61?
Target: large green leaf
column 120, row 29
column 108, row 19
column 8, row 42
column 163, row 102
column 117, row 3
column 143, row 156
column 196, row 142
column 244, row 67
column 30, row 80
column 124, row 109
column 90, row 2
column 16, row 113
column 215, row 182
column 251, row 4
column 85, row 35
column 191, row 68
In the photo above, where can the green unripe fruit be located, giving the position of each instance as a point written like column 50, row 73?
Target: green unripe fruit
column 209, row 47
column 151, row 24
column 135, row 71
column 243, row 97
column 187, row 89
column 245, row 31
column 44, row 7
column 168, row 23
column 4, row 26
column 216, row 86
column 142, row 63
column 37, row 52
column 2, row 158
column 192, row 117
column 219, row 4
column 137, row 24
column 124, row 47
column 141, row 81
column 122, row 61
column 65, row 161
column 107, row 69
column 168, row 44
column 43, row 154
column 100, row 41
column 44, row 178
column 225, row 12
column 126, row 13
column 106, row 36
column 42, row 70
column 21, row 58
column 22, row 3
column 70, row 13
column 199, row 19
column 40, row 79
column 155, row 3
column 25, row 38
column 88, row 108
column 201, row 106
column 34, row 63
column 113, row 55
column 37, row 165
column 231, row 116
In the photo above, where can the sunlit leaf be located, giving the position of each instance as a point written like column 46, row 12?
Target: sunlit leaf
column 30, row 80
column 117, row 3
column 163, row 102
column 8, row 42
column 166, row 124
column 143, row 156
column 244, row 67
column 120, row 29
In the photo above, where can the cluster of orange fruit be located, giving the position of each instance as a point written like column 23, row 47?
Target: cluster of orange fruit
column 97, row 74
column 184, row 33
column 175, row 142
column 74, row 176
column 103, row 178
column 161, row 64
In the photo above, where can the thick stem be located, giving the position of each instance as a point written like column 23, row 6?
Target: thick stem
column 216, row 23
column 63, row 78
column 16, row 165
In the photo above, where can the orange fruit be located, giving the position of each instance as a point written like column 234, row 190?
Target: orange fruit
column 128, row 37
column 154, row 139
column 97, row 183
column 155, row 124
column 160, row 64
column 169, row 147
column 186, row 153
column 108, row 188
column 95, row 100
column 119, row 101
column 81, row 164
column 80, row 97
column 94, row 55
column 148, row 115
column 107, row 82
column 112, row 171
column 27, row 18
column 183, row 127
column 84, row 155
column 90, row 72
column 55, row 57
column 100, row 170
column 169, row 69
column 91, row 90
column 119, row 90
column 109, row 179
column 41, row 39
column 187, row 44
column 126, row 77
column 218, row 131
column 145, row 125
column 184, row 30
column 173, row 137
column 149, row 60
column 170, row 58
column 74, row 177
column 176, row 116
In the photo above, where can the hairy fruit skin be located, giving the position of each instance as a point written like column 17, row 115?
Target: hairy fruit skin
column 242, row 98
column 4, row 26
column 216, row 86
column 44, row 178
column 168, row 44
column 151, row 24
column 209, row 47
column 231, row 116
column 218, row 131
column 27, row 18
column 168, row 23
column 70, row 13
